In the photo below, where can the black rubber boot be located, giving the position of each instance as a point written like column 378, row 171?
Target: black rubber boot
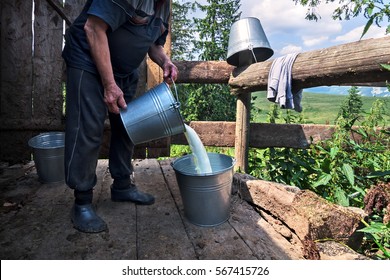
column 85, row 219
column 131, row 194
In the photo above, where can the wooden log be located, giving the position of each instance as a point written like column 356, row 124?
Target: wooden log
column 357, row 62
column 305, row 213
column 203, row 72
column 217, row 134
column 262, row 135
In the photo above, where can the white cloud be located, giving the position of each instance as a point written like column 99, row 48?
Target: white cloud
column 284, row 15
column 311, row 41
column 376, row 90
column 290, row 49
column 355, row 34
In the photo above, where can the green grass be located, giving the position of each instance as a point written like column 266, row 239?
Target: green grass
column 317, row 108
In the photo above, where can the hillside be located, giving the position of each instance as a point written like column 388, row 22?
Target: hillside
column 317, row 108
column 343, row 90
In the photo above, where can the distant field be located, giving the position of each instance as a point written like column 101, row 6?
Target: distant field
column 317, row 108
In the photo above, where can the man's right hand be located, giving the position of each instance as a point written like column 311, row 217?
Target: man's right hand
column 113, row 97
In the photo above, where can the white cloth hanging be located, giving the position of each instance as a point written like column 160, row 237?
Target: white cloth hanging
column 279, row 88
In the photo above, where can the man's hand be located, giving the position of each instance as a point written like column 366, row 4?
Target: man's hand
column 158, row 55
column 113, row 97
column 169, row 71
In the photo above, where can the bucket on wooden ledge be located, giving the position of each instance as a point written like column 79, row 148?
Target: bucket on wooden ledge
column 153, row 115
column 247, row 43
column 48, row 155
column 206, row 197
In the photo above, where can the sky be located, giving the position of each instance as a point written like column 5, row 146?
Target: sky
column 288, row 31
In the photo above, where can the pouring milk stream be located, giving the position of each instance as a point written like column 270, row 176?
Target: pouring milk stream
column 202, row 161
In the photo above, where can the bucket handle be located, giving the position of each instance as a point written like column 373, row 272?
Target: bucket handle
column 250, row 47
column 176, row 105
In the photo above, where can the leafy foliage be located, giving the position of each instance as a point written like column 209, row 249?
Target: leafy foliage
column 376, row 11
column 352, row 108
column 212, row 101
column 183, row 31
column 207, row 103
column 377, row 237
column 214, row 28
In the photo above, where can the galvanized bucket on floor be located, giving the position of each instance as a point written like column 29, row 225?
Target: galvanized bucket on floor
column 153, row 115
column 206, row 197
column 247, row 43
column 48, row 155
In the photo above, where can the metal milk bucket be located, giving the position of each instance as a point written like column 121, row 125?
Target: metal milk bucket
column 153, row 115
column 48, row 155
column 206, row 197
column 247, row 43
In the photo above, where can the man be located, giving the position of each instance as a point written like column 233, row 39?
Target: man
column 103, row 49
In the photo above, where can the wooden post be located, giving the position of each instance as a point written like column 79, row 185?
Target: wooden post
column 154, row 76
column 242, row 132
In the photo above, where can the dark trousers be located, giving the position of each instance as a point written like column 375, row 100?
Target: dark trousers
column 85, row 116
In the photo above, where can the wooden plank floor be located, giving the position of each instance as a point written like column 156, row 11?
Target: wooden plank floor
column 35, row 222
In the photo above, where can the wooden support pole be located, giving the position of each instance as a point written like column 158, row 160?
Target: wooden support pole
column 242, row 132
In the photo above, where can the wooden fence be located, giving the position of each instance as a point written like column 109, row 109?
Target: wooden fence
column 31, row 76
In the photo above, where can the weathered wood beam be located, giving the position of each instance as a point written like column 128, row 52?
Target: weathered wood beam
column 204, row 72
column 214, row 134
column 357, row 62
column 262, row 135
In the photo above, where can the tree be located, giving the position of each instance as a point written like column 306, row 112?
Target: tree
column 375, row 11
column 212, row 102
column 214, row 29
column 351, row 110
column 183, row 31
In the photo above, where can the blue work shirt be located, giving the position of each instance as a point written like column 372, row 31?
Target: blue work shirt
column 134, row 25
